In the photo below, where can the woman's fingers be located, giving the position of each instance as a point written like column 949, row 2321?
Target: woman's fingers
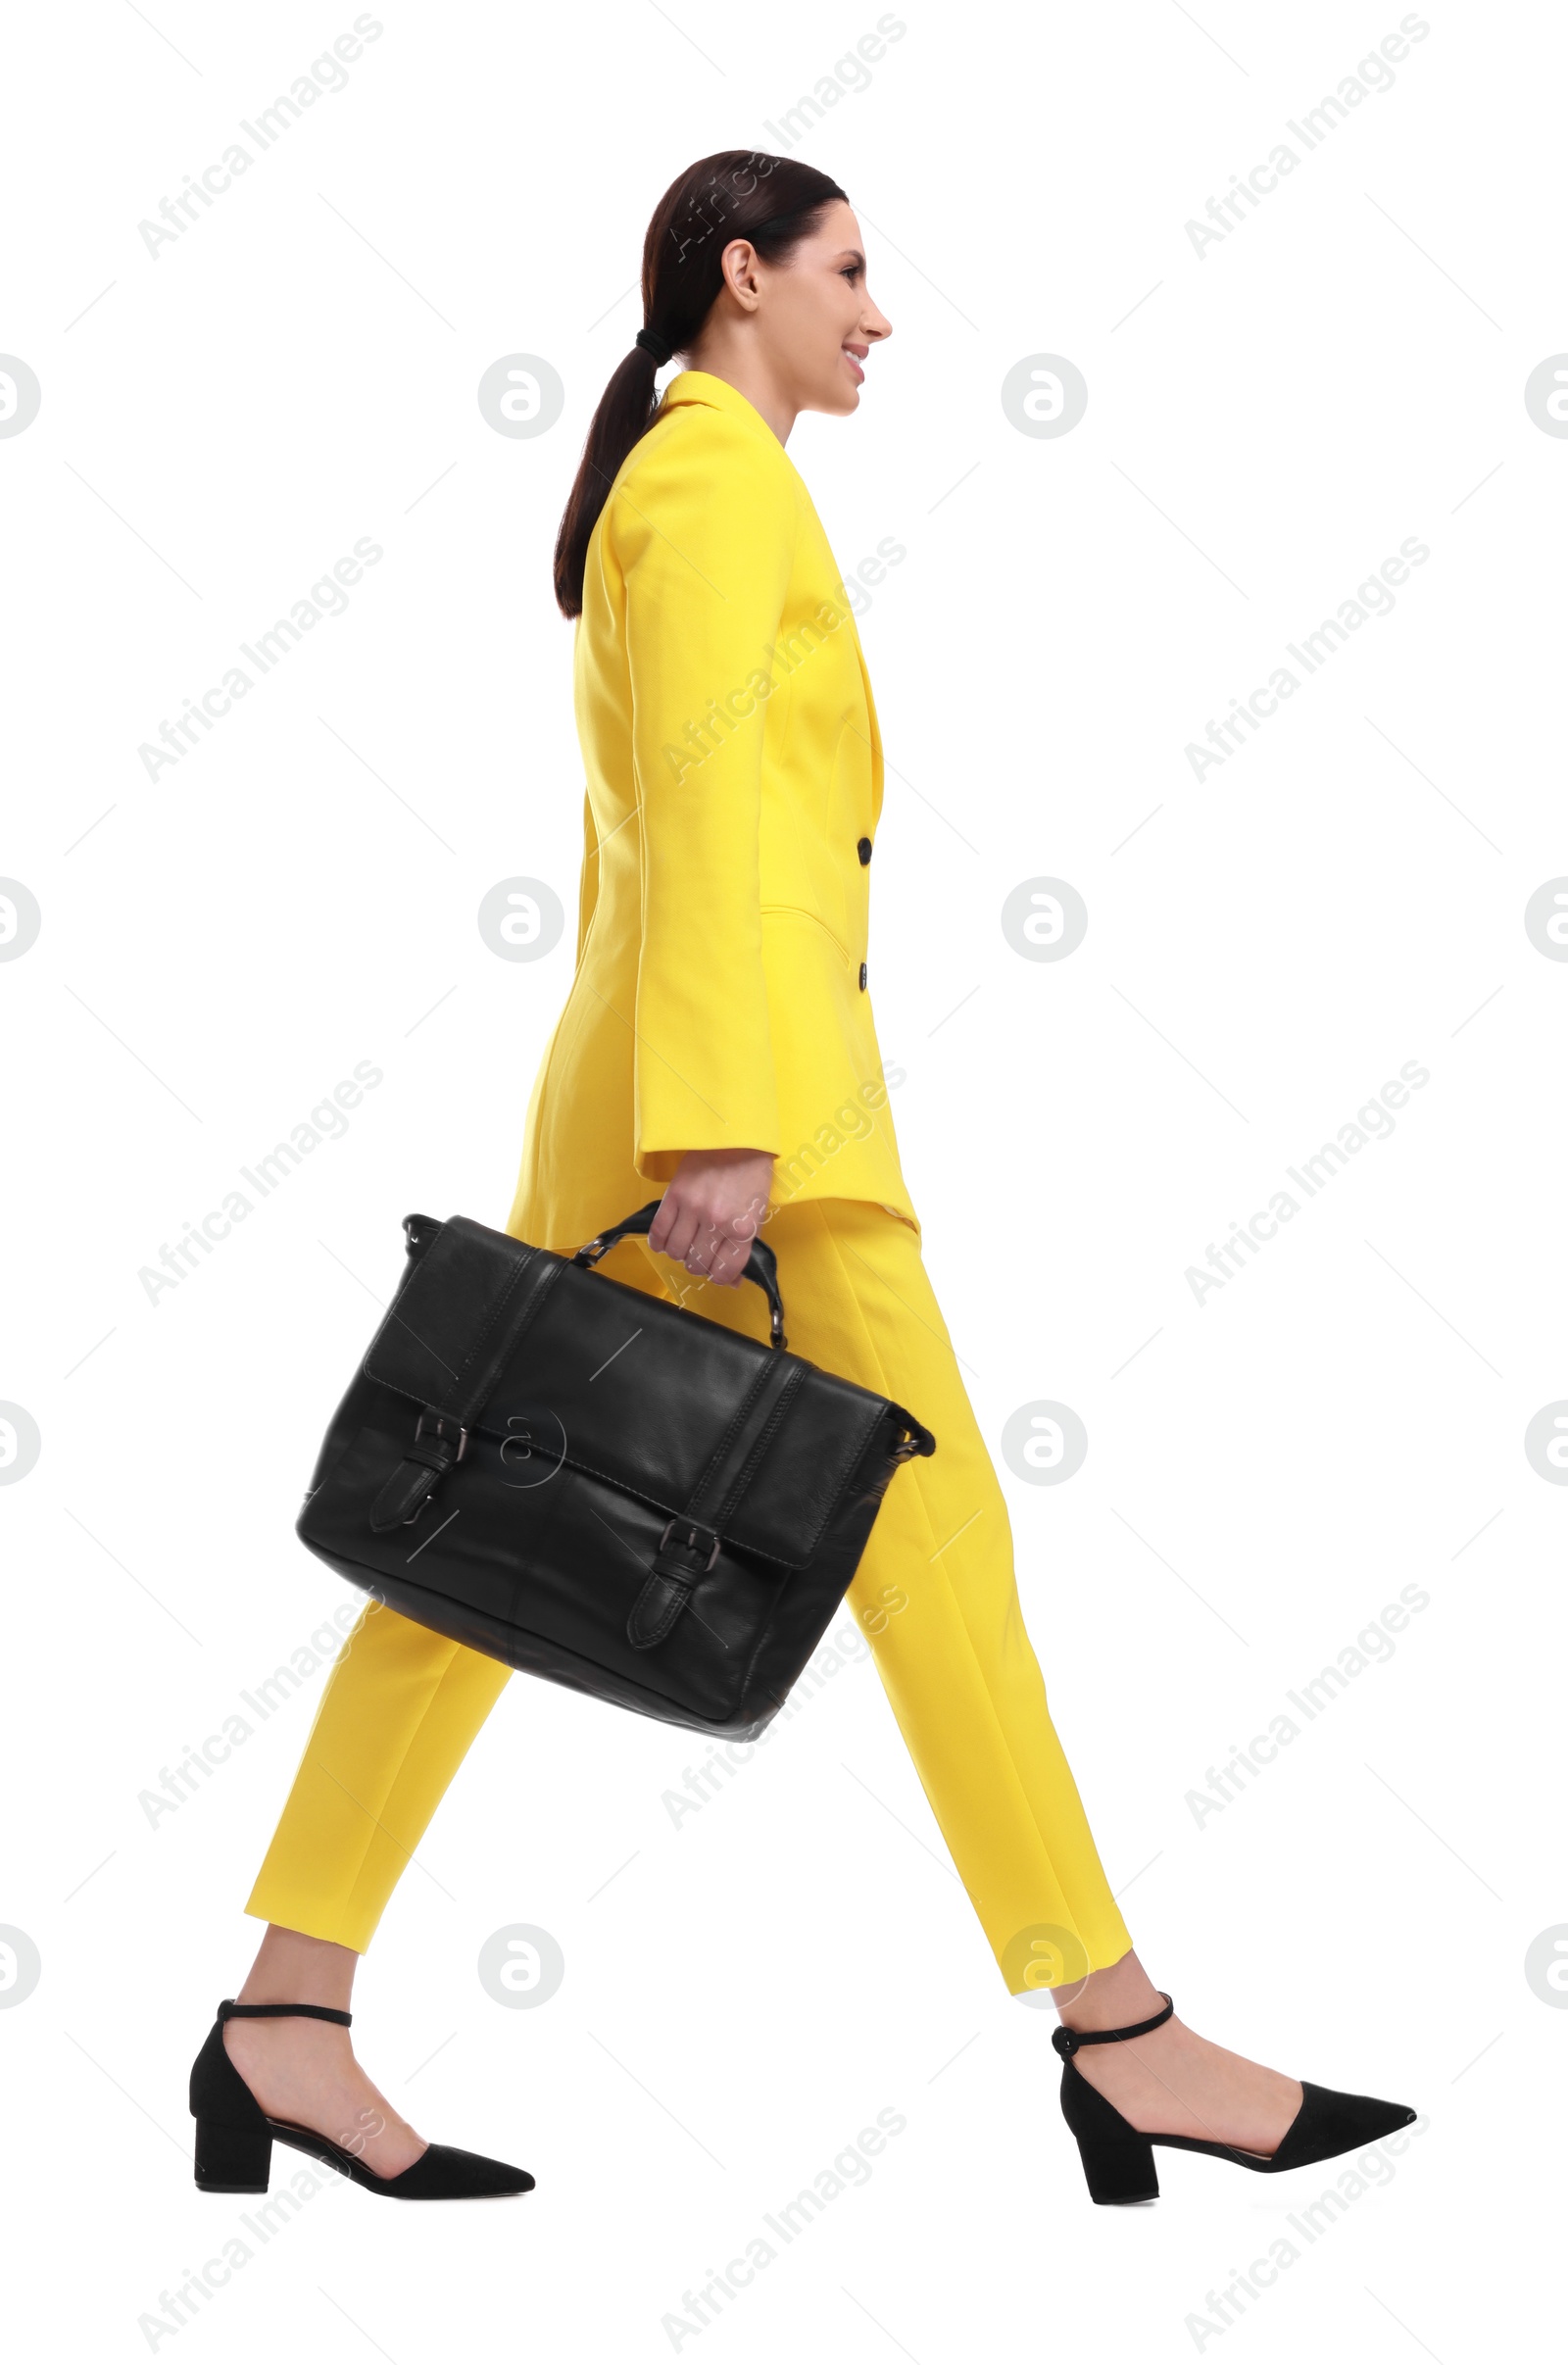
column 674, row 1228
column 663, row 1222
column 721, row 1248
column 709, row 1248
column 710, row 1213
column 704, row 1246
column 730, row 1262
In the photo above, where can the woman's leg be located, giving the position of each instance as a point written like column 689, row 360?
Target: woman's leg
column 399, row 1711
column 394, row 1722
column 937, row 1595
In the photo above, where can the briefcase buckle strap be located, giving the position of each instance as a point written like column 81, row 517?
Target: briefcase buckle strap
column 438, row 1444
column 677, row 1564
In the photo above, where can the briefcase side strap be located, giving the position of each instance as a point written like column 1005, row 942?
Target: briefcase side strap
column 689, row 1545
column 687, row 1549
column 690, row 1542
column 441, row 1432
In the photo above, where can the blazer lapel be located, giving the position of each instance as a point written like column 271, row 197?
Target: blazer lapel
column 876, row 735
column 699, row 386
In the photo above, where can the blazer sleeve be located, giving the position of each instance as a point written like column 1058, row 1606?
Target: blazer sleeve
column 704, row 533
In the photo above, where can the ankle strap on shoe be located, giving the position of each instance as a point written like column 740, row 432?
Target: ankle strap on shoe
column 1068, row 2040
column 228, row 2009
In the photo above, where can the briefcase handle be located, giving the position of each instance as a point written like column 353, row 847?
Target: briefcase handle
column 762, row 1265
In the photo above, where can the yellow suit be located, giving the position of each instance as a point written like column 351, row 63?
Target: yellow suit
column 719, row 1000
column 734, row 786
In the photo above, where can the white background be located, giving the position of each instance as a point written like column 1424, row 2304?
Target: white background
column 1266, row 424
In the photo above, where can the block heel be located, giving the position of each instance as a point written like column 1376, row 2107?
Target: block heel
column 1118, row 2158
column 232, row 2159
column 1116, row 2172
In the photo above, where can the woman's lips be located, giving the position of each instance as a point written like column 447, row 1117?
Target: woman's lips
column 859, row 374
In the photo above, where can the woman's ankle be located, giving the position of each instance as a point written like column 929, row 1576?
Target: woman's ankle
column 291, row 1967
column 1118, row 1997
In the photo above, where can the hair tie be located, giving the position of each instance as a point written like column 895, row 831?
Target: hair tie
column 652, row 342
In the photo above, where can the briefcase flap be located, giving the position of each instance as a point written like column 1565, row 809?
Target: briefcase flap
column 555, row 1363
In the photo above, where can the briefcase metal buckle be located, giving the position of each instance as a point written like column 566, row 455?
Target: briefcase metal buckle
column 442, row 1425
column 693, row 1526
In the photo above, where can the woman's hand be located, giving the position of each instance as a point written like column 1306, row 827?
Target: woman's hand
column 712, row 1211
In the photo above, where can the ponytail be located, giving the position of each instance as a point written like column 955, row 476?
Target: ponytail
column 772, row 201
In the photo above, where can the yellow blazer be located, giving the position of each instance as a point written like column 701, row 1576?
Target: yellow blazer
column 734, row 783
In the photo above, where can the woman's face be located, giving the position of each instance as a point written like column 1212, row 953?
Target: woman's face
column 814, row 313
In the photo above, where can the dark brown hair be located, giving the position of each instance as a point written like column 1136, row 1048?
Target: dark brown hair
column 773, row 201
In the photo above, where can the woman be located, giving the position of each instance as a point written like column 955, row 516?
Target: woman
column 718, row 1041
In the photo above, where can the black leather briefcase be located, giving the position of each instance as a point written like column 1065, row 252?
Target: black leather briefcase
column 600, row 1486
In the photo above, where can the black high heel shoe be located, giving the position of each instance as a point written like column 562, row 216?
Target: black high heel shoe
column 1118, row 2158
column 234, row 2137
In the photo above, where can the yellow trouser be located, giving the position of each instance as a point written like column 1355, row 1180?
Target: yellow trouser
column 935, row 1593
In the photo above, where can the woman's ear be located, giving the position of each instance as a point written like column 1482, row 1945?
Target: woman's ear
column 738, row 263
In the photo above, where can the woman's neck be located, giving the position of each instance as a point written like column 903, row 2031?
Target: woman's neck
column 738, row 362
